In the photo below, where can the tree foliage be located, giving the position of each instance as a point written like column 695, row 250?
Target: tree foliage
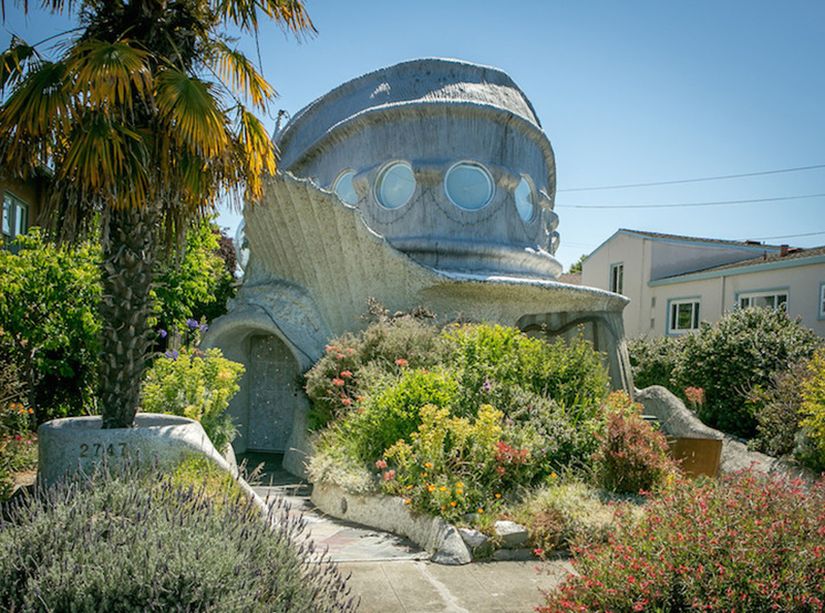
column 48, row 322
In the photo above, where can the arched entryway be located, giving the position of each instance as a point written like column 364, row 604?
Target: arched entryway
column 274, row 394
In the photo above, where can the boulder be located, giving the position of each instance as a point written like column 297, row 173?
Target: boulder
column 674, row 417
column 510, row 534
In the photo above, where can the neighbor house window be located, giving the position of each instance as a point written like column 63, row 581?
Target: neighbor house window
column 15, row 216
column 683, row 316
column 617, row 278
column 777, row 300
column 822, row 301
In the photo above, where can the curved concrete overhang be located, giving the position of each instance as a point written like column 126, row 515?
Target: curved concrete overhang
column 458, row 254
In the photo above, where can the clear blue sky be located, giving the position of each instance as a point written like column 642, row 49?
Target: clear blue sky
column 627, row 92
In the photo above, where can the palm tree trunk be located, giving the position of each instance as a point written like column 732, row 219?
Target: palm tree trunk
column 127, row 269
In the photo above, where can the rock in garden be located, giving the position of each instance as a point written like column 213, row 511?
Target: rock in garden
column 511, row 534
column 473, row 538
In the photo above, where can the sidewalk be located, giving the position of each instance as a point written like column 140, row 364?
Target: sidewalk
column 391, row 574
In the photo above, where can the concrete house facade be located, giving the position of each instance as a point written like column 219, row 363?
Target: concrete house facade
column 674, row 282
column 428, row 183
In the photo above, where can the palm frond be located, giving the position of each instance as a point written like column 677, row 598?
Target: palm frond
column 13, row 62
column 241, row 76
column 257, row 153
column 36, row 117
column 289, row 14
column 188, row 107
column 109, row 75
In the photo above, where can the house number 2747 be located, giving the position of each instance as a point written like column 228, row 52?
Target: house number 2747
column 98, row 450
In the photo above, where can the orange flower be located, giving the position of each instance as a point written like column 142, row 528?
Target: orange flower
column 407, row 501
column 431, row 488
column 498, row 495
column 345, row 374
column 480, row 510
column 453, row 503
column 338, row 382
column 443, row 488
column 346, row 401
column 401, row 362
column 428, row 465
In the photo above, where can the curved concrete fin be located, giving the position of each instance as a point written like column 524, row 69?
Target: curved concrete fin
column 308, row 237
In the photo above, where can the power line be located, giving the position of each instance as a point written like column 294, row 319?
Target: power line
column 672, row 205
column 698, row 180
column 764, row 238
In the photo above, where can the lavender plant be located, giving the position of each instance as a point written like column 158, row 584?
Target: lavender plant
column 130, row 542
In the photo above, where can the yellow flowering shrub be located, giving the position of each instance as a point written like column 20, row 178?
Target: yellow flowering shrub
column 197, row 385
column 454, row 465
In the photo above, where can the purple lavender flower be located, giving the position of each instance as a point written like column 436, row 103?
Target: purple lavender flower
column 163, row 333
column 204, row 328
column 192, row 323
column 487, row 386
column 172, row 354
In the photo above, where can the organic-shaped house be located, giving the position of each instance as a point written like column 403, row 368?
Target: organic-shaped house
column 426, row 183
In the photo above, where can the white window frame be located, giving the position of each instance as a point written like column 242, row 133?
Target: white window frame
column 775, row 294
column 672, row 314
column 16, row 215
column 616, row 285
column 822, row 300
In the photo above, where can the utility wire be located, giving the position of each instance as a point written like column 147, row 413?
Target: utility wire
column 672, row 205
column 701, row 179
column 763, row 238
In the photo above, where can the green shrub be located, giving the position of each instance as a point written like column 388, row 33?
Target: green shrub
column 394, row 413
column 128, row 544
column 563, row 443
column 632, row 456
column 654, row 360
column 196, row 385
column 812, row 411
column 561, row 515
column 777, row 411
column 490, row 359
column 743, row 543
column 742, row 350
column 195, row 282
column 49, row 297
column 387, row 346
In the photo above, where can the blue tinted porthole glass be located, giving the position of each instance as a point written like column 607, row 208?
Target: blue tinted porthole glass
column 396, row 185
column 468, row 186
column 241, row 246
column 525, row 202
column 344, row 188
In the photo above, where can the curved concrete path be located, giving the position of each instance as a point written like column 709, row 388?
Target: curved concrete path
column 391, row 574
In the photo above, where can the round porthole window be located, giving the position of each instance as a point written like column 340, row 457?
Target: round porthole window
column 524, row 200
column 344, row 188
column 241, row 245
column 468, row 186
column 396, row 185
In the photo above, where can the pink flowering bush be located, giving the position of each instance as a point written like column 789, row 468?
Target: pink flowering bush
column 743, row 543
column 632, row 456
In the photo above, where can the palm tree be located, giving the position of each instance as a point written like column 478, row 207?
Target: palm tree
column 145, row 120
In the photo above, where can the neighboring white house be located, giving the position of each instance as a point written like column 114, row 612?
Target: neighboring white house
column 674, row 282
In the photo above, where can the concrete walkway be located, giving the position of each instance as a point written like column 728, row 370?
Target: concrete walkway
column 392, row 574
